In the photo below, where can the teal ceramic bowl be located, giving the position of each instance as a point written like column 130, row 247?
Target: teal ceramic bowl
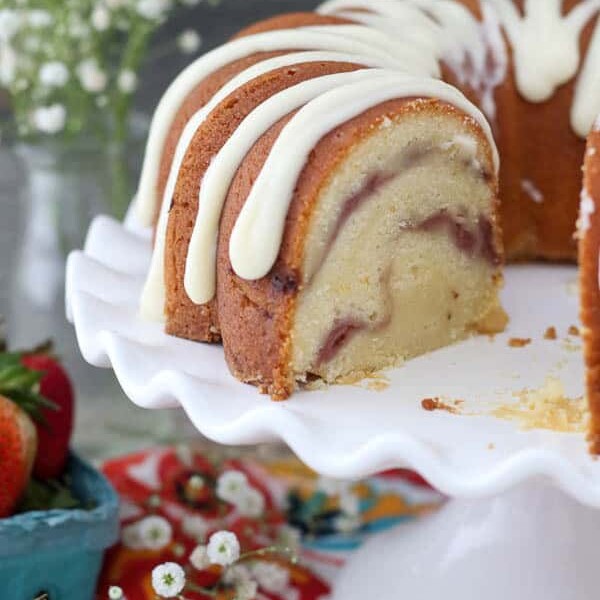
column 57, row 554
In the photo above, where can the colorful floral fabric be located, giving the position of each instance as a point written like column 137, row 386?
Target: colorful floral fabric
column 172, row 499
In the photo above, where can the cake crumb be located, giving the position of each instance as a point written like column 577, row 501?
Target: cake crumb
column 546, row 408
column 432, row 404
column 550, row 333
column 491, row 446
column 573, row 330
column 519, row 342
column 494, row 322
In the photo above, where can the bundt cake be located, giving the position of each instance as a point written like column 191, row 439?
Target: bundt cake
column 589, row 275
column 324, row 187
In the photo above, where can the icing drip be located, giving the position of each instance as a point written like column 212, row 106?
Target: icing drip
column 356, row 40
column 532, row 191
column 587, row 94
column 200, row 271
column 258, row 232
column 153, row 295
column 545, row 43
column 587, row 209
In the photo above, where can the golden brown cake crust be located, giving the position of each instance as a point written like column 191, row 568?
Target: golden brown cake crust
column 184, row 318
column 207, row 88
column 589, row 248
column 259, row 351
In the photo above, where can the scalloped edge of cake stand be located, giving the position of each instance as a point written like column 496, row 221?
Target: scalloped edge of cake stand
column 452, row 452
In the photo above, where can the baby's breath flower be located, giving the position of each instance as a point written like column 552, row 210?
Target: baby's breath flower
column 153, row 10
column 168, row 580
column 92, row 77
column 130, row 537
column 9, row 23
column 100, row 18
column 236, row 574
column 270, row 577
column 39, row 18
column 127, row 81
column 347, row 523
column 246, row 590
column 231, row 486
column 289, row 537
column 250, row 504
column 223, row 548
column 350, row 504
column 155, row 532
column 54, row 74
column 189, row 41
column 50, row 119
column 8, row 65
column 115, row 593
column 195, row 526
column 199, row 558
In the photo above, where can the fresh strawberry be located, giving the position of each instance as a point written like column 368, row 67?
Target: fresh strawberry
column 55, row 427
column 18, row 441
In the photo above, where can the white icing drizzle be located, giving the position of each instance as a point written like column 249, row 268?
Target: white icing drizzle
column 545, row 43
column 587, row 94
column 356, row 40
column 153, row 295
column 586, row 210
column 201, row 259
column 257, row 235
column 532, row 191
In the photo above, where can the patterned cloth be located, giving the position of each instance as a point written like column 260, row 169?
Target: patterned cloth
column 331, row 518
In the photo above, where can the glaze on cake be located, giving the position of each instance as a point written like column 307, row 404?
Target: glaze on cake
column 275, row 163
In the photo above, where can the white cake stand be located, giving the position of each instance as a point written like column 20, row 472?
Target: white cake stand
column 522, row 524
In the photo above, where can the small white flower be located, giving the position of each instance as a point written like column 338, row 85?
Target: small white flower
column 270, row 576
column 189, row 41
column 231, row 486
column 168, row 580
column 350, row 504
column 236, row 574
column 250, row 504
column 199, row 558
column 347, row 523
column 77, row 27
column 92, row 77
column 127, row 81
column 115, row 593
column 289, row 537
column 102, row 101
column 9, row 23
column 195, row 526
column 223, row 548
column 153, row 10
column 54, row 74
column 130, row 537
column 8, row 64
column 50, row 119
column 39, row 18
column 155, row 532
column 246, row 590
column 100, row 18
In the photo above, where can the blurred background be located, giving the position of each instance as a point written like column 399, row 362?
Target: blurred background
column 58, row 168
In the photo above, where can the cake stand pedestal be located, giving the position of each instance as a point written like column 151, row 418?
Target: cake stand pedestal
column 530, row 542
column 522, row 524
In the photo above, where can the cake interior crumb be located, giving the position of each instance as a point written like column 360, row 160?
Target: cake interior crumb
column 547, row 407
column 519, row 342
